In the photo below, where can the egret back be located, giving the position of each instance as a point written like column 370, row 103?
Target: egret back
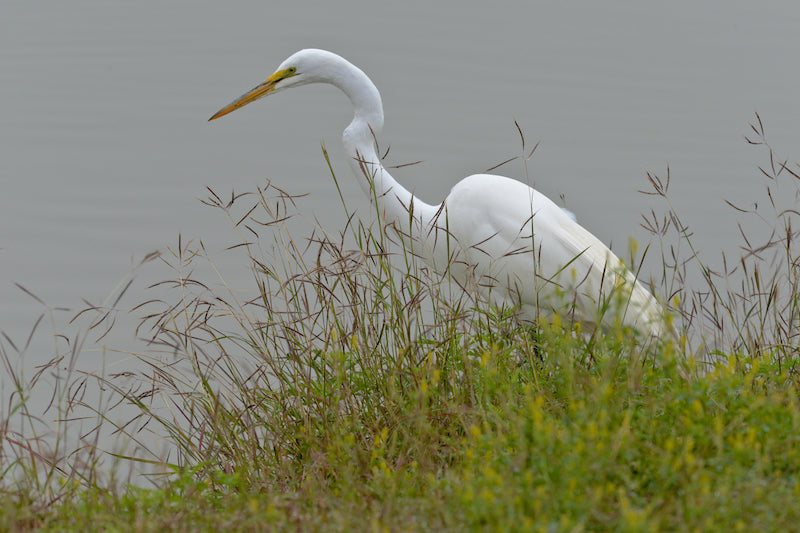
column 520, row 248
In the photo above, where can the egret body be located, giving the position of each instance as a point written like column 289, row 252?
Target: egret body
column 491, row 232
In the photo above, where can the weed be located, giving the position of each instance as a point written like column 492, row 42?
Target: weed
column 357, row 389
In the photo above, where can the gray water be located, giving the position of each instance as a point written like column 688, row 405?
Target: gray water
column 106, row 150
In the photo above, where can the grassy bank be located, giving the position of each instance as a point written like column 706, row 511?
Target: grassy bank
column 352, row 389
column 498, row 440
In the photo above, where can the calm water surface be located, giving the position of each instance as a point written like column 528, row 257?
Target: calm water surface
column 106, row 150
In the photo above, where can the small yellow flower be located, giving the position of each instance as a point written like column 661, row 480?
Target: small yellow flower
column 669, row 445
column 633, row 246
column 475, row 431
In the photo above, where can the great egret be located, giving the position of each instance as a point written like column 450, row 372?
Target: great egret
column 491, row 232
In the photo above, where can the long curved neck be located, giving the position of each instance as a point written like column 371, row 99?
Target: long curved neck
column 396, row 203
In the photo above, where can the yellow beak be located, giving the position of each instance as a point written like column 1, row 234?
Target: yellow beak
column 254, row 94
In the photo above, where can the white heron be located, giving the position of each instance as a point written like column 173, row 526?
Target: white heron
column 491, row 232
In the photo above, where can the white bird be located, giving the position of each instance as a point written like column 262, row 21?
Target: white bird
column 496, row 234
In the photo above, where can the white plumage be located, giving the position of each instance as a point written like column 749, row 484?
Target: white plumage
column 510, row 241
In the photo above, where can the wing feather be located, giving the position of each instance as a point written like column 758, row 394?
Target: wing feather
column 531, row 252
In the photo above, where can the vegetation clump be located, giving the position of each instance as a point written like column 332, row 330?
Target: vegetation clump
column 355, row 390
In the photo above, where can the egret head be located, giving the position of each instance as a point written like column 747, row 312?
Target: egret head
column 305, row 66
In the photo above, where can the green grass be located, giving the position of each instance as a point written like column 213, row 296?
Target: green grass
column 355, row 390
column 521, row 444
